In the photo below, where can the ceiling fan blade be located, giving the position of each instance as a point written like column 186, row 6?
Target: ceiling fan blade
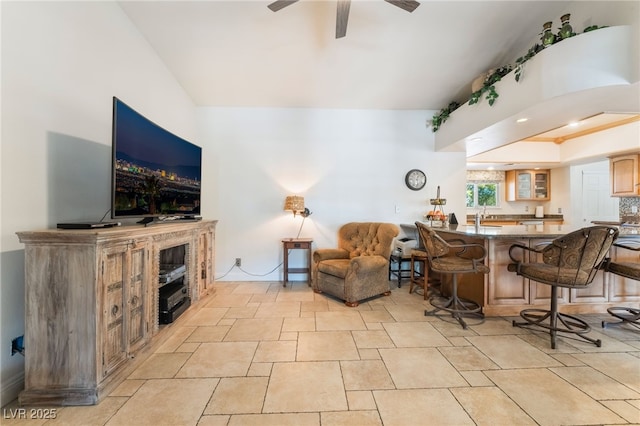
column 342, row 17
column 280, row 4
column 408, row 5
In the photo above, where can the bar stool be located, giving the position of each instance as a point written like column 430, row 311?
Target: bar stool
column 419, row 278
column 453, row 259
column 631, row 270
column 570, row 261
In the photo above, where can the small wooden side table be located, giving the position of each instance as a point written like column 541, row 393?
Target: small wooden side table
column 289, row 244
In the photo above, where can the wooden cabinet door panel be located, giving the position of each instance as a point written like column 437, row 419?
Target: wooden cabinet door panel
column 597, row 291
column 205, row 261
column 523, row 185
column 540, row 292
column 509, row 288
column 137, row 299
column 113, row 281
column 624, row 172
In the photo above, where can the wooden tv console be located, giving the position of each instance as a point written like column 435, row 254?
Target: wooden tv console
column 91, row 302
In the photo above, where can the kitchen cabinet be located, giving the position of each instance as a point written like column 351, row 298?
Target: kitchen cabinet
column 91, row 303
column 625, row 175
column 527, row 185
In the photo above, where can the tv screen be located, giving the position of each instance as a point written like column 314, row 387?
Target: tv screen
column 155, row 173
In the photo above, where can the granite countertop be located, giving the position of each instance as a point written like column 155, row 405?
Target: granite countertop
column 524, row 231
column 516, row 217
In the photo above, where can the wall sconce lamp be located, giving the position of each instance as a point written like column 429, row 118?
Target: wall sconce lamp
column 295, row 204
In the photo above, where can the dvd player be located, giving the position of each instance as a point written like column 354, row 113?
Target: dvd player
column 87, row 225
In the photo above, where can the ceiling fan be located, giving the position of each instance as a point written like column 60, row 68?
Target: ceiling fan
column 343, row 11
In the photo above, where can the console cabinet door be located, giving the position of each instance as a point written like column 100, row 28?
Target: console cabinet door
column 137, row 297
column 205, row 261
column 114, row 275
column 126, row 302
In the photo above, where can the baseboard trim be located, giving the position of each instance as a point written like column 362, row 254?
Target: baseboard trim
column 11, row 388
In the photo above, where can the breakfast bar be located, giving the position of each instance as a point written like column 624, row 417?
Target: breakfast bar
column 501, row 292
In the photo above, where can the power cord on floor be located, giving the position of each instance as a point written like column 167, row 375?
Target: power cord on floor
column 265, row 274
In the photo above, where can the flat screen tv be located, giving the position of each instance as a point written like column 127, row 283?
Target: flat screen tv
column 155, row 174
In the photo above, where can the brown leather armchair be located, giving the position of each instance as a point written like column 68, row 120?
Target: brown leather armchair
column 357, row 269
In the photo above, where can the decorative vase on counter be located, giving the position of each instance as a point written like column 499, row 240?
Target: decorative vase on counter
column 548, row 38
column 565, row 30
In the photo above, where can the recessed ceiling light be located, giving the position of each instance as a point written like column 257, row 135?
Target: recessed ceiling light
column 522, row 120
column 573, row 124
column 490, row 168
column 476, row 139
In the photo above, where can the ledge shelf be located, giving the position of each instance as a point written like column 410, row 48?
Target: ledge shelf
column 579, row 77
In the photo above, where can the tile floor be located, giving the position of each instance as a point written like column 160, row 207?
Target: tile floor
column 256, row 353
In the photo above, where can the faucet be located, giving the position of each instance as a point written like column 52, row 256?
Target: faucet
column 484, row 211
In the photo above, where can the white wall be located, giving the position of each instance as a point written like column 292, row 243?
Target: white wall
column 61, row 64
column 348, row 164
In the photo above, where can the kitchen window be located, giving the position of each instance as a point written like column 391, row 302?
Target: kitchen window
column 480, row 194
column 483, row 188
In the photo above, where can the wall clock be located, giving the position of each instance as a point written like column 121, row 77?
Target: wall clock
column 415, row 179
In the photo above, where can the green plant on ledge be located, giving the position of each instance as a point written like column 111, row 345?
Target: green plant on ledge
column 488, row 85
column 536, row 48
column 443, row 115
column 522, row 59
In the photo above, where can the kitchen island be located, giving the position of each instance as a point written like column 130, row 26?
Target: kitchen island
column 501, row 292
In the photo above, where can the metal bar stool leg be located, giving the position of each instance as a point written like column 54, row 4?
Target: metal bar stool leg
column 626, row 315
column 456, row 305
column 558, row 322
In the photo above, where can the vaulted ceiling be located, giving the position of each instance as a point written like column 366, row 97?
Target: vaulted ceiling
column 241, row 53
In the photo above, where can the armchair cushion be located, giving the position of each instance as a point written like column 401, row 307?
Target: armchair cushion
column 336, row 267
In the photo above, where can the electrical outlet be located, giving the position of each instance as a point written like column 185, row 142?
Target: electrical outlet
column 397, row 208
column 559, row 210
column 17, row 346
column 238, row 261
column 526, row 209
column 634, row 209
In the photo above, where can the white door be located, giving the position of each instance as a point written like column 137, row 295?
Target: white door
column 597, row 202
